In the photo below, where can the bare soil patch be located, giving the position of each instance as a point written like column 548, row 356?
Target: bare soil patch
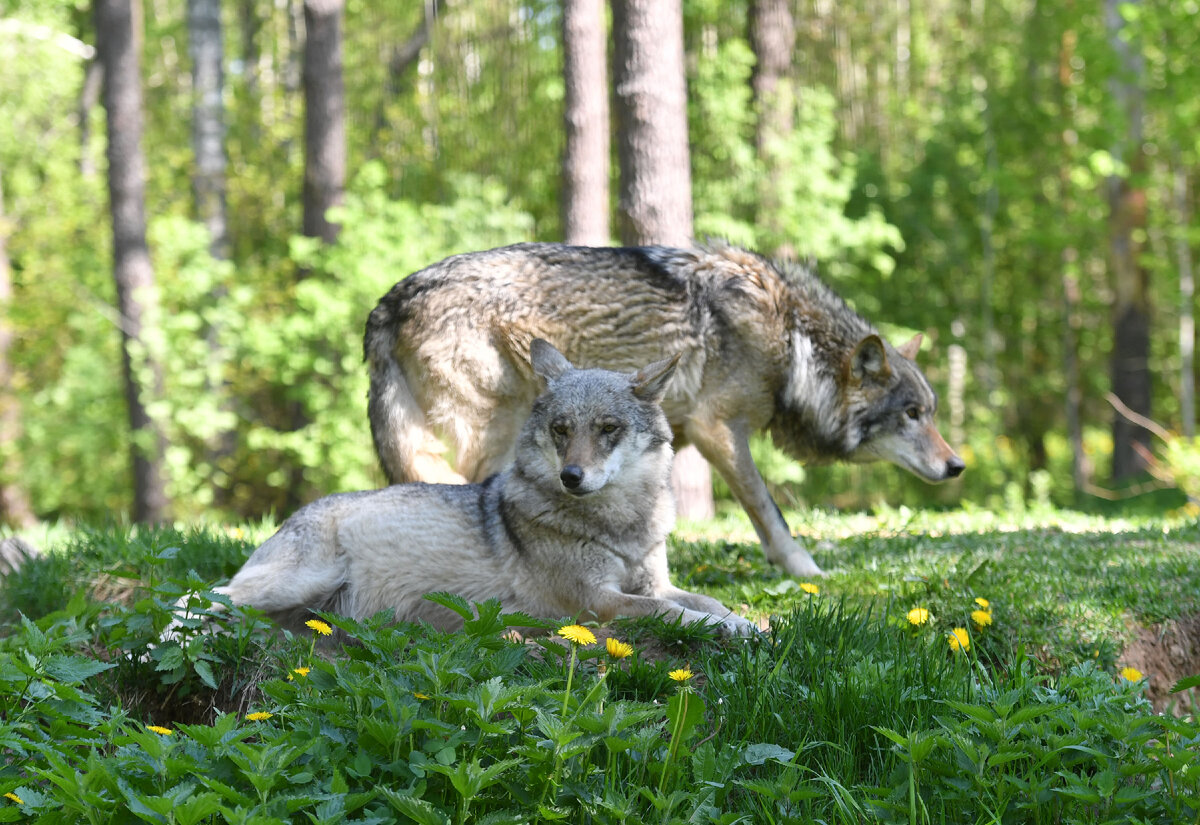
column 1166, row 653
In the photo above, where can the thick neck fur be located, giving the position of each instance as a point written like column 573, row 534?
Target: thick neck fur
column 823, row 333
column 631, row 514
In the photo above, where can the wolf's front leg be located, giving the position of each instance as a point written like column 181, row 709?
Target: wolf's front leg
column 727, row 447
column 608, row 603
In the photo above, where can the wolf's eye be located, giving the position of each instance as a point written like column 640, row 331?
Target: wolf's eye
column 609, row 429
column 913, row 412
column 561, row 430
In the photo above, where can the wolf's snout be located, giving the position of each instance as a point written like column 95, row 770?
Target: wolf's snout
column 571, row 476
column 955, row 467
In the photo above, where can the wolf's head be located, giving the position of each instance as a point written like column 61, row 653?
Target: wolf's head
column 890, row 408
column 594, row 428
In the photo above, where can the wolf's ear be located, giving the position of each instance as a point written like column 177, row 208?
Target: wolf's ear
column 910, row 349
column 869, row 360
column 546, row 361
column 650, row 383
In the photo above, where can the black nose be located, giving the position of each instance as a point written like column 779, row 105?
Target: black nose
column 571, row 476
column 955, row 467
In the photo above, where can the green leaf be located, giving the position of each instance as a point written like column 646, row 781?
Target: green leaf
column 1186, row 684
column 452, row 601
column 415, row 809
column 204, row 671
column 759, row 753
column 74, row 669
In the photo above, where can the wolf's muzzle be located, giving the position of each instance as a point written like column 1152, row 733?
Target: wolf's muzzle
column 955, row 467
column 571, row 477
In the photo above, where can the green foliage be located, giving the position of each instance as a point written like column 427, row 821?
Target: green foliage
column 843, row 712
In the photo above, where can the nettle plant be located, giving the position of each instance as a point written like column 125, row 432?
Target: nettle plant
column 403, row 724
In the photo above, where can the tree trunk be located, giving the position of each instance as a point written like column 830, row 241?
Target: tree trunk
column 1068, row 261
column 651, row 105
column 773, row 39
column 1187, row 303
column 324, row 117
column 89, row 96
column 656, row 184
column 14, row 504
column 208, row 121
column 324, row 152
column 1130, row 367
column 137, row 302
column 585, row 116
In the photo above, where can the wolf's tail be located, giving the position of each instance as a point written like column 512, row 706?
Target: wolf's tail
column 407, row 447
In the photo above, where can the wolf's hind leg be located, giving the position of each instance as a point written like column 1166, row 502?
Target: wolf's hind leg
column 280, row 588
column 408, row 449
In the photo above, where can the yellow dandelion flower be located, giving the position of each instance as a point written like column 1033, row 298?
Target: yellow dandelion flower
column 298, row 671
column 258, row 716
column 918, row 616
column 237, row 532
column 319, row 626
column 958, row 639
column 14, row 798
column 160, row 730
column 578, row 634
column 810, row 588
column 419, row 695
column 982, row 618
column 1131, row 674
column 681, row 675
column 984, row 603
column 617, row 649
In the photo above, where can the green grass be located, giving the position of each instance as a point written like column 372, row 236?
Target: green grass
column 844, row 712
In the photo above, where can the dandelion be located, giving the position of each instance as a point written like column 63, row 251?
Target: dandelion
column 577, row 634
column 14, row 798
column 319, row 626
column 982, row 618
column 1131, row 674
column 810, row 588
column 298, row 671
column 984, row 603
column 918, row 616
column 959, row 640
column 617, row 649
column 258, row 716
column 160, row 730
column 681, row 675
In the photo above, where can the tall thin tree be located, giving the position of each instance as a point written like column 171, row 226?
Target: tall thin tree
column 773, row 40
column 207, row 50
column 14, row 503
column 324, row 150
column 656, row 185
column 118, row 48
column 324, row 117
column 585, row 115
column 1130, row 366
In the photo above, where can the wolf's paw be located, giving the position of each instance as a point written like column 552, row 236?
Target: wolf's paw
column 798, row 563
column 737, row 627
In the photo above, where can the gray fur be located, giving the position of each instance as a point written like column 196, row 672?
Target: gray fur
column 593, row 551
column 760, row 346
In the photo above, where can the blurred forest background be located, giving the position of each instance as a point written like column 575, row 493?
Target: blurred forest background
column 1014, row 178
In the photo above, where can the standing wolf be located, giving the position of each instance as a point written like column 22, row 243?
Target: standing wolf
column 576, row 526
column 761, row 345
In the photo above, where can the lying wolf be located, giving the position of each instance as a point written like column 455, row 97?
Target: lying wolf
column 576, row 526
column 761, row 345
